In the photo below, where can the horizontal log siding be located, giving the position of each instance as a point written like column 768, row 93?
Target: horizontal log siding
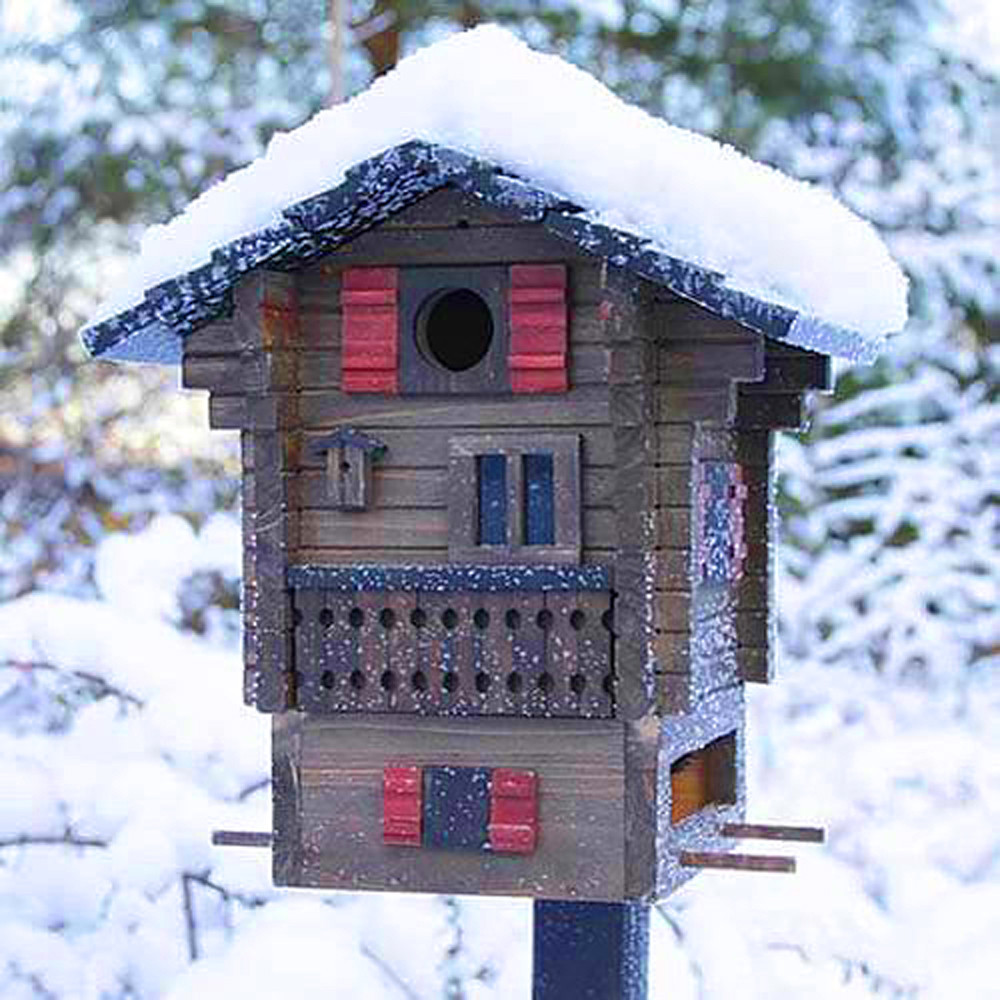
column 756, row 606
column 699, row 360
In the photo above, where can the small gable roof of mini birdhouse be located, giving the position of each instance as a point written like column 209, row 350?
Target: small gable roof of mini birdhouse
column 531, row 134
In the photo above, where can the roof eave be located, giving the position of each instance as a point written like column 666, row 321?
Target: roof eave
column 378, row 188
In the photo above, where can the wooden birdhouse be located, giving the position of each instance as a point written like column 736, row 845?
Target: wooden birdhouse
column 509, row 525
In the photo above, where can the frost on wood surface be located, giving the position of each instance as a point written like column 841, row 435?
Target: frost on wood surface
column 487, row 94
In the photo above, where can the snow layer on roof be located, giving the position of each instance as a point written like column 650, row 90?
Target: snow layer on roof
column 488, row 94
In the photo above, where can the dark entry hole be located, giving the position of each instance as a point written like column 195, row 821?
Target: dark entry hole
column 483, row 681
column 419, row 681
column 356, row 617
column 513, row 618
column 482, row 619
column 515, row 683
column 577, row 683
column 544, row 619
column 387, row 617
column 545, row 683
column 345, row 466
column 326, row 617
column 388, row 680
column 450, row 681
column 577, row 620
column 418, row 618
column 296, row 617
column 608, row 620
column 357, row 680
column 327, row 679
column 609, row 684
column 449, row 618
column 456, row 329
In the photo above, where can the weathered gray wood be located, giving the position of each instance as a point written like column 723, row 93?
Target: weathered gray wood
column 583, row 406
column 434, row 247
column 682, row 320
column 428, row 487
column 767, row 831
column 319, row 292
column 286, row 797
column 218, row 337
column 633, row 405
column 265, row 320
column 580, row 768
column 692, row 362
column 322, row 321
column 755, row 595
column 429, row 528
column 449, row 208
column 785, row 410
column 711, row 403
column 793, row 369
column 642, row 743
column 211, row 371
column 738, row 862
column 320, row 369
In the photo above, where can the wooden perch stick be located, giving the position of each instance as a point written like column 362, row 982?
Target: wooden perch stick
column 765, row 831
column 240, row 838
column 737, row 862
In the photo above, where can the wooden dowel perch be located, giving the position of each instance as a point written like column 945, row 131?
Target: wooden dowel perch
column 737, row 862
column 240, row 838
column 765, row 831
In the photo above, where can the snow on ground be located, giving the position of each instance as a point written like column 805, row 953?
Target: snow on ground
column 486, row 93
column 903, row 901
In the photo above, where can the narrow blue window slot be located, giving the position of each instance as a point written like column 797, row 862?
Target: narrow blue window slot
column 491, row 471
column 539, row 500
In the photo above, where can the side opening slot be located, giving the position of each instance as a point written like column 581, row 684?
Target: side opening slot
column 704, row 777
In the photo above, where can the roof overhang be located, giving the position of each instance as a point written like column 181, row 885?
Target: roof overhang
column 375, row 190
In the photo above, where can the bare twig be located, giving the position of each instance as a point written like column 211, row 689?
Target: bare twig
column 257, row 786
column 65, row 839
column 203, row 879
column 389, row 972
column 190, row 924
column 102, row 687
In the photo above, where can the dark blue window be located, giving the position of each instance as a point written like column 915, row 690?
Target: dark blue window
column 491, row 471
column 539, row 500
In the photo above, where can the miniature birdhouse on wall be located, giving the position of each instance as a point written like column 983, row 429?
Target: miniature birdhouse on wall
column 349, row 457
column 508, row 521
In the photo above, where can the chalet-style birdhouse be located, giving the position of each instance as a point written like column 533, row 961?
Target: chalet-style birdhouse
column 508, row 470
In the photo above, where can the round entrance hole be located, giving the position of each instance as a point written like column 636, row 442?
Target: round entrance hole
column 455, row 329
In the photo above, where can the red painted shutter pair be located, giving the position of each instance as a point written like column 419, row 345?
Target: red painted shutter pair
column 538, row 329
column 513, row 817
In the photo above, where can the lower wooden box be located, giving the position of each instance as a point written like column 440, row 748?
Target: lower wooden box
column 328, row 802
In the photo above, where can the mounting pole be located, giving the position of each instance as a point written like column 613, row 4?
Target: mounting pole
column 590, row 951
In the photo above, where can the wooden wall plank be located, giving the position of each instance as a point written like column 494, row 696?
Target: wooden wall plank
column 580, row 768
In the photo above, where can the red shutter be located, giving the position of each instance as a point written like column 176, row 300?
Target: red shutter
column 368, row 297
column 513, row 825
column 402, row 806
column 538, row 323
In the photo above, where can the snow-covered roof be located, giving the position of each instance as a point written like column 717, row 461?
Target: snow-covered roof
column 483, row 111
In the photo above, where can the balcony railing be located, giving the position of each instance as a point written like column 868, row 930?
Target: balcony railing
column 454, row 640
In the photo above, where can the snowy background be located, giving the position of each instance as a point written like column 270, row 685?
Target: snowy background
column 123, row 742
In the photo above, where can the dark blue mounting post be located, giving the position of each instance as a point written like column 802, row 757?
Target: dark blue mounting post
column 590, row 951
